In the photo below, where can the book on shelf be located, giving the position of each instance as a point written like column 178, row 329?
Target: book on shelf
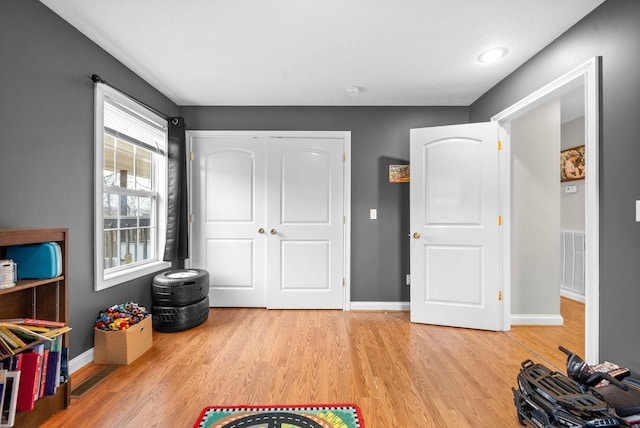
column 52, row 378
column 29, row 381
column 64, row 366
column 52, row 373
column 10, row 338
column 12, row 363
column 43, row 350
column 43, row 373
column 3, row 377
column 35, row 328
column 5, row 349
column 25, row 335
column 55, row 332
column 34, row 322
column 10, row 399
column 15, row 337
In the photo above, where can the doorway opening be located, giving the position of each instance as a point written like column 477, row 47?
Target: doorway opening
column 587, row 76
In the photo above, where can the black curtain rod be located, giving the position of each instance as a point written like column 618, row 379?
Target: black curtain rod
column 97, row 79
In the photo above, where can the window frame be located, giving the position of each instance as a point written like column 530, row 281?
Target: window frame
column 103, row 279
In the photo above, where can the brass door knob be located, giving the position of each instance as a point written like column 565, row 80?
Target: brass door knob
column 261, row 230
column 416, row 235
column 273, row 231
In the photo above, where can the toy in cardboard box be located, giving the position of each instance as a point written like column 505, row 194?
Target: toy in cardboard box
column 122, row 334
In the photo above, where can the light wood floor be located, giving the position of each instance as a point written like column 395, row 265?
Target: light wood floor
column 402, row 375
column 544, row 340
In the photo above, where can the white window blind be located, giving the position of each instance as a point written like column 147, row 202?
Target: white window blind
column 129, row 125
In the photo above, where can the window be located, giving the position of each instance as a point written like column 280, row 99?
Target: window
column 130, row 189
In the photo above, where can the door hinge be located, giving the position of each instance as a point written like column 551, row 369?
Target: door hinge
column 344, row 219
column 344, row 282
column 190, row 218
column 344, row 156
column 500, row 295
column 499, row 220
column 499, row 145
column 191, row 156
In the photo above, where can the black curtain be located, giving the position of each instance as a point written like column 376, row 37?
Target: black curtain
column 177, row 244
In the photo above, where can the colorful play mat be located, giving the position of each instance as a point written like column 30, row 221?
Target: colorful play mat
column 312, row 416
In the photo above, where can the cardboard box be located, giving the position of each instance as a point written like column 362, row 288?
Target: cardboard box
column 123, row 346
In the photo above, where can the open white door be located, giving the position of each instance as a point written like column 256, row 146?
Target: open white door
column 455, row 226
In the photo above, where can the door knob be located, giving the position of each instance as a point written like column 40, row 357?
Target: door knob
column 261, row 230
column 416, row 235
column 273, row 231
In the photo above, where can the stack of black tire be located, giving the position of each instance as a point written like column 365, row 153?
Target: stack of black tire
column 180, row 299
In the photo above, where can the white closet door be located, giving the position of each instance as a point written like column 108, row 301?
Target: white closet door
column 269, row 219
column 305, row 215
column 229, row 206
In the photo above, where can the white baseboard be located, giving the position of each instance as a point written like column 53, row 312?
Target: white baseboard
column 380, row 306
column 516, row 319
column 572, row 295
column 536, row 319
column 80, row 361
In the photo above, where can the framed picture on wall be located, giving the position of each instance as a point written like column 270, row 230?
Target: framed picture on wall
column 399, row 173
column 572, row 164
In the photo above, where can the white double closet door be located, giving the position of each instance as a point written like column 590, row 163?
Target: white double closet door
column 268, row 218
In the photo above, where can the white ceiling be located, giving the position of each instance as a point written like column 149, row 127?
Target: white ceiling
column 308, row 52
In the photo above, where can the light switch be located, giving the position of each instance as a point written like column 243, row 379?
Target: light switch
column 373, row 214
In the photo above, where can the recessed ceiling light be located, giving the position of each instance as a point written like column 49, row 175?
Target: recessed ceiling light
column 492, row 55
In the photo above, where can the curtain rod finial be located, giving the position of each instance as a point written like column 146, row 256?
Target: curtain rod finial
column 96, row 78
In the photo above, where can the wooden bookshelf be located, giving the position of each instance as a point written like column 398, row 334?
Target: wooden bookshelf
column 41, row 299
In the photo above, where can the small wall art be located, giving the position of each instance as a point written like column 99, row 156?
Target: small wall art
column 572, row 164
column 399, row 174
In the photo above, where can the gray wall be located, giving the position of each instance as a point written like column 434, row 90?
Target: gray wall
column 46, row 144
column 379, row 138
column 535, row 212
column 611, row 31
column 572, row 211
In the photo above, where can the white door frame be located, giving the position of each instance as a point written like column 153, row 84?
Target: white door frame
column 345, row 135
column 589, row 73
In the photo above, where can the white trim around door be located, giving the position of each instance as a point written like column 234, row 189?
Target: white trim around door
column 588, row 74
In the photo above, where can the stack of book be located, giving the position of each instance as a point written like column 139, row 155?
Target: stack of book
column 33, row 364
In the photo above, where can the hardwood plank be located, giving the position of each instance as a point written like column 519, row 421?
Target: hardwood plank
column 544, row 340
column 400, row 374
